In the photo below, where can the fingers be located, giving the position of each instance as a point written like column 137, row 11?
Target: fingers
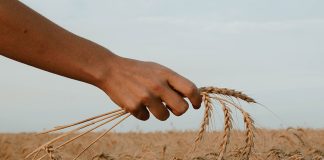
column 174, row 101
column 186, row 88
column 158, row 109
column 140, row 112
column 145, row 100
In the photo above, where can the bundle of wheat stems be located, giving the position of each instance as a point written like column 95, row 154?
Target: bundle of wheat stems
column 222, row 95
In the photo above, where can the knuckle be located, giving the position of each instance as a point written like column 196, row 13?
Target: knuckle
column 191, row 89
column 160, row 68
column 145, row 97
column 157, row 88
column 164, row 70
column 132, row 107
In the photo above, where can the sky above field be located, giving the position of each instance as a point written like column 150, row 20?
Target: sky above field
column 272, row 50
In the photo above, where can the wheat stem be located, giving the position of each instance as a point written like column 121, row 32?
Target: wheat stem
column 82, row 134
column 99, row 137
column 71, row 132
column 80, row 122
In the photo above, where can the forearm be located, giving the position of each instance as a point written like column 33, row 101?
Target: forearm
column 28, row 37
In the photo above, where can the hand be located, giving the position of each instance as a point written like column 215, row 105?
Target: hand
column 137, row 86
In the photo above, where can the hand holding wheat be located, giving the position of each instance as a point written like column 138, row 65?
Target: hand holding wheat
column 221, row 95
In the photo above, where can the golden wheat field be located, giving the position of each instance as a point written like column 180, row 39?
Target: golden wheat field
column 269, row 144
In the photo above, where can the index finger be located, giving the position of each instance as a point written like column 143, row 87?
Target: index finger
column 186, row 88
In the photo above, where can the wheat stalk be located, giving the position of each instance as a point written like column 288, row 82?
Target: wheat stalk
column 70, row 132
column 82, row 134
column 80, row 122
column 99, row 137
column 105, row 117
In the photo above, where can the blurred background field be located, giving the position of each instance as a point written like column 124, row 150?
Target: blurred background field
column 270, row 144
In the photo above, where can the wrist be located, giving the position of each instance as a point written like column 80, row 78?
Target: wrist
column 103, row 71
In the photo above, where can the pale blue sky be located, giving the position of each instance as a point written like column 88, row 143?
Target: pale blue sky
column 272, row 50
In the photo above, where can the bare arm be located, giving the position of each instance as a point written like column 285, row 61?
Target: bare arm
column 136, row 86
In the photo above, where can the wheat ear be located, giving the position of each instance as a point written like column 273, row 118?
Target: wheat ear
column 227, row 130
column 207, row 115
column 249, row 126
column 249, row 140
column 227, row 92
column 206, row 92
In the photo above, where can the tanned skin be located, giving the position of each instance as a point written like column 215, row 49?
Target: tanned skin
column 136, row 86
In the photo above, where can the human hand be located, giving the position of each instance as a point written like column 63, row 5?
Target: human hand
column 137, row 86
